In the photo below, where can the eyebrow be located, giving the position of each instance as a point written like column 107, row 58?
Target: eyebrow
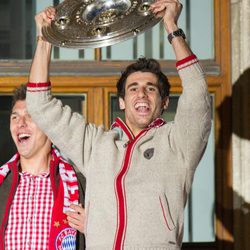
column 14, row 112
column 136, row 83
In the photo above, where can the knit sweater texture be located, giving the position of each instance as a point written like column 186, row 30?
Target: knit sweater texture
column 137, row 187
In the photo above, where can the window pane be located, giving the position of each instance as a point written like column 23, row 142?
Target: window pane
column 196, row 21
column 199, row 211
column 7, row 148
column 17, row 34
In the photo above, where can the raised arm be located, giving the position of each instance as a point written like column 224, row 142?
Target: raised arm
column 67, row 130
column 192, row 124
column 39, row 71
column 170, row 10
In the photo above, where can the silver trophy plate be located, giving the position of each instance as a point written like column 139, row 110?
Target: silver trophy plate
column 97, row 23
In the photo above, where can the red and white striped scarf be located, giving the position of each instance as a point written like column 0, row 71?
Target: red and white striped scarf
column 67, row 175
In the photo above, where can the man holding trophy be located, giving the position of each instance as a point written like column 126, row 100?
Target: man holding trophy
column 140, row 172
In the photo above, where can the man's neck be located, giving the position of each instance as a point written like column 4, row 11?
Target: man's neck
column 35, row 165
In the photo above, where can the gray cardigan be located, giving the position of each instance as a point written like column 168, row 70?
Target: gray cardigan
column 137, row 187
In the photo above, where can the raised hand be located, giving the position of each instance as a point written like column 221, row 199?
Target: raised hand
column 44, row 18
column 170, row 10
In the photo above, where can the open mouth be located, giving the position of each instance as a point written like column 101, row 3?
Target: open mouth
column 23, row 137
column 142, row 107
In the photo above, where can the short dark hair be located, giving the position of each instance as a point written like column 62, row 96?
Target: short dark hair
column 19, row 94
column 144, row 65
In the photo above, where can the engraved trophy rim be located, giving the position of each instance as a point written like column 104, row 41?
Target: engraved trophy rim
column 98, row 23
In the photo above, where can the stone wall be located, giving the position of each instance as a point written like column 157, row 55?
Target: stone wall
column 240, row 28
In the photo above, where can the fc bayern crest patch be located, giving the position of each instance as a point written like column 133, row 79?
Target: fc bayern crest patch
column 66, row 239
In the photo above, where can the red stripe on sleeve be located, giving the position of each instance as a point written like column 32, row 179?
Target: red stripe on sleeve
column 185, row 60
column 38, row 85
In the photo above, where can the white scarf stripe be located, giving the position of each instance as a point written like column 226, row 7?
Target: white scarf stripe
column 68, row 177
column 4, row 170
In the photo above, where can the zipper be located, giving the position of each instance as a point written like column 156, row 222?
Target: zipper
column 121, row 193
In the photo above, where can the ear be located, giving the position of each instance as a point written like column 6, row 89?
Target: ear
column 121, row 103
column 165, row 103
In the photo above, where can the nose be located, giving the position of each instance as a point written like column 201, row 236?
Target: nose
column 22, row 122
column 142, row 92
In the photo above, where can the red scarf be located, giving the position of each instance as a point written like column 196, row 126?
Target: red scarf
column 62, row 236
